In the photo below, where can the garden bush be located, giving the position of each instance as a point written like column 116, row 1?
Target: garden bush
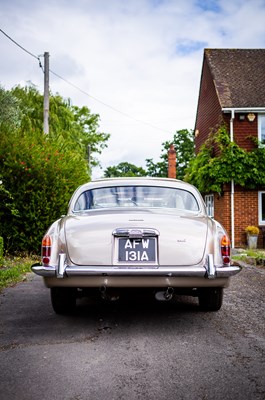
column 40, row 174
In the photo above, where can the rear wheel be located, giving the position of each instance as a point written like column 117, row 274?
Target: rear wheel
column 63, row 300
column 211, row 299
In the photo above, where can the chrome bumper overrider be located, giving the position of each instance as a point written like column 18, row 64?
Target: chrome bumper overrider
column 209, row 271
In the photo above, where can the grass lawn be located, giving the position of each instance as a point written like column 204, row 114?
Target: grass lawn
column 14, row 269
column 256, row 257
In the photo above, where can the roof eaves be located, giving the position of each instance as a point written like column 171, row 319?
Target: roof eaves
column 244, row 109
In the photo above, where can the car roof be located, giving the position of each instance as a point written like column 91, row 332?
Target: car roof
column 148, row 181
column 137, row 181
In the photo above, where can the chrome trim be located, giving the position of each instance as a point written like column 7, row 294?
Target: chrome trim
column 226, row 272
column 166, row 271
column 43, row 271
column 134, row 233
column 126, row 270
column 61, row 266
column 210, row 267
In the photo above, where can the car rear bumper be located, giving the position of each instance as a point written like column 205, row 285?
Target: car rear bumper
column 67, row 271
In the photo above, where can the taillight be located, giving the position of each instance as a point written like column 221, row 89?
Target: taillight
column 46, row 246
column 225, row 249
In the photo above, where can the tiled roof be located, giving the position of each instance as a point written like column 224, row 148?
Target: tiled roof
column 239, row 76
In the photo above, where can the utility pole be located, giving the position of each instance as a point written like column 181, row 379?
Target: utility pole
column 46, row 94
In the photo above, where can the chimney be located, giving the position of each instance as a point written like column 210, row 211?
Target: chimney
column 172, row 172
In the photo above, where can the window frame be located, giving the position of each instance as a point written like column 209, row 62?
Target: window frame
column 261, row 121
column 260, row 194
column 87, row 200
column 209, row 204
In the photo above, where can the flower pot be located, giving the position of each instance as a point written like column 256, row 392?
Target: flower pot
column 252, row 241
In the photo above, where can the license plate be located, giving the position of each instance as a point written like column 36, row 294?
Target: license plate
column 137, row 250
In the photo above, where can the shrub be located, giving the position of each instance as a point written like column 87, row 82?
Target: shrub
column 41, row 174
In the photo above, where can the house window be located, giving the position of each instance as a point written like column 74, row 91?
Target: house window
column 209, row 202
column 262, row 208
column 261, row 128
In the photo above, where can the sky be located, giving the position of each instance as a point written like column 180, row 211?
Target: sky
column 136, row 63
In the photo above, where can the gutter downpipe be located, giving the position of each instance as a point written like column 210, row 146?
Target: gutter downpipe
column 232, row 185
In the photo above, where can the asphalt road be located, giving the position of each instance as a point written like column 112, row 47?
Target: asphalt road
column 134, row 349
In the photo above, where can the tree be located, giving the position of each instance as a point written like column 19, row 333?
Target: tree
column 184, row 145
column 10, row 115
column 75, row 127
column 124, row 169
column 40, row 172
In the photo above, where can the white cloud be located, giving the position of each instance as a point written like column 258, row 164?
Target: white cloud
column 141, row 57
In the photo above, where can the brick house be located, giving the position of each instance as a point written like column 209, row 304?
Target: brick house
column 232, row 90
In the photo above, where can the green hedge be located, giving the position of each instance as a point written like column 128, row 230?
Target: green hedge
column 39, row 175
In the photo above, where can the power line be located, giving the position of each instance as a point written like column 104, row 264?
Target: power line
column 107, row 105
column 21, row 47
column 81, row 90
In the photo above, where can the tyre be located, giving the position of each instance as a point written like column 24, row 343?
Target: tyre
column 211, row 299
column 63, row 300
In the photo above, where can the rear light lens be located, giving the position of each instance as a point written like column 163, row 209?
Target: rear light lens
column 46, row 249
column 225, row 249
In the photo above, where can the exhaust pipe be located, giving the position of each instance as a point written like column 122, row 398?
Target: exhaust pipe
column 165, row 295
column 102, row 291
column 109, row 295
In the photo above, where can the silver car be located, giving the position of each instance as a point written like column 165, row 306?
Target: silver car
column 142, row 233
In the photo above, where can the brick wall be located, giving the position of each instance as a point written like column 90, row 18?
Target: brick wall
column 245, row 212
column 222, row 209
column 244, row 130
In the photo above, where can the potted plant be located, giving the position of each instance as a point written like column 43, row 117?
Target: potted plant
column 252, row 236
